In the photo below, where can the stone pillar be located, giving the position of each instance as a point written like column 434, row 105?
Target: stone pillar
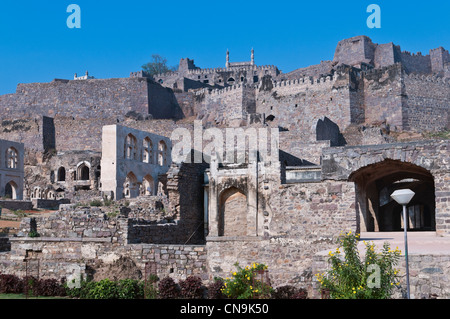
column 213, row 214
column 252, row 199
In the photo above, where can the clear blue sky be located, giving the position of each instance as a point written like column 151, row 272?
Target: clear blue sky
column 117, row 37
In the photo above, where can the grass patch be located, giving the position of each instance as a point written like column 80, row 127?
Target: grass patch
column 445, row 135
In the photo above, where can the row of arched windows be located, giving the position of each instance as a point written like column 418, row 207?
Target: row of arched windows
column 81, row 174
column 134, row 188
column 131, row 151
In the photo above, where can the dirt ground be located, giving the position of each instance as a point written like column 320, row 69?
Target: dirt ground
column 10, row 221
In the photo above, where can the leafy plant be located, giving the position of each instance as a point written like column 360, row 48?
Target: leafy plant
column 130, row 289
column 191, row 288
column 150, row 287
column 353, row 278
column 33, row 234
column 168, row 289
column 215, row 289
column 244, row 283
column 48, row 287
column 10, row 284
column 103, row 289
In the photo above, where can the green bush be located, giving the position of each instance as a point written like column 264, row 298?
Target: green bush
column 130, row 289
column 244, row 283
column 108, row 289
column 353, row 278
column 104, row 289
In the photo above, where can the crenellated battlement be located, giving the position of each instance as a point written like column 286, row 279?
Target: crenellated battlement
column 227, row 89
column 382, row 70
column 301, row 82
column 167, row 74
column 308, row 81
column 232, row 69
column 428, row 78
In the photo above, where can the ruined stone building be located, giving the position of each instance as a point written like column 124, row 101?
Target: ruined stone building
column 11, row 169
column 350, row 131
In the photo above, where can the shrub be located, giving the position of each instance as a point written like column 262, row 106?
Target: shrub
column 244, row 283
column 103, row 289
column 150, row 287
column 353, row 278
column 289, row 292
column 191, row 288
column 10, row 284
column 215, row 289
column 96, row 203
column 48, row 287
column 130, row 289
column 168, row 289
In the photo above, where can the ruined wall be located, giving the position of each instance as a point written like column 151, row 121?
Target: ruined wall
column 86, row 134
column 297, row 105
column 99, row 98
column 228, row 106
column 36, row 133
column 427, row 103
column 355, row 50
column 383, row 96
column 71, row 257
column 75, row 239
column 415, row 63
column 439, row 58
column 303, row 219
column 324, row 67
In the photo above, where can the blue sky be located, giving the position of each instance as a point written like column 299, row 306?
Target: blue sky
column 117, row 37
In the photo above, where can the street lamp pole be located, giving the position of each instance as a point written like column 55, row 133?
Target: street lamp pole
column 403, row 197
column 405, row 227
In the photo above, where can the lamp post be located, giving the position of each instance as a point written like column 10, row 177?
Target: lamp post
column 403, row 197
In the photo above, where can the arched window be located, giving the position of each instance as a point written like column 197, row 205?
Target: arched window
column 130, row 151
column 12, row 158
column 162, row 153
column 147, row 155
column 83, row 172
column 130, row 188
column 148, row 185
column 61, row 174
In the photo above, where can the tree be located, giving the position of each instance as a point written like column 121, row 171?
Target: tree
column 157, row 65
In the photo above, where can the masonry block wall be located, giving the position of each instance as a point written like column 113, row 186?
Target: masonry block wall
column 228, row 106
column 303, row 219
column 383, row 96
column 426, row 102
column 98, row 98
column 297, row 105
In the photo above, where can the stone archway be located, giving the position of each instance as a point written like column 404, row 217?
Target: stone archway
column 130, row 187
column 148, row 186
column 11, row 190
column 232, row 213
column 376, row 211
